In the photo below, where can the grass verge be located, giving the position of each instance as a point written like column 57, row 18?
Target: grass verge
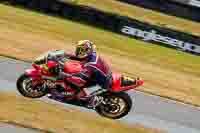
column 145, row 15
column 167, row 72
column 52, row 118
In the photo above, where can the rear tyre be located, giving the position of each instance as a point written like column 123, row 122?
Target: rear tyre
column 115, row 106
column 25, row 87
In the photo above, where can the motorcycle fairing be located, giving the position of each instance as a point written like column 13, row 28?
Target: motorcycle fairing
column 72, row 67
column 32, row 73
column 116, row 82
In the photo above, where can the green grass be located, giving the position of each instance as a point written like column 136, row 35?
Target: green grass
column 52, row 118
column 166, row 71
column 146, row 15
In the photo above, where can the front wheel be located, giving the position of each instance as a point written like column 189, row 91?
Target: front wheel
column 115, row 105
column 26, row 88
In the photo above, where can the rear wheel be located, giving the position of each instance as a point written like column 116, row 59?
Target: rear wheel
column 26, row 88
column 115, row 105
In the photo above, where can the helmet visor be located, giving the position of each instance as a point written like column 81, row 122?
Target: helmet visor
column 80, row 52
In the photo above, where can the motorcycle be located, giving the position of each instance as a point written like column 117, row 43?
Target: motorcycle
column 40, row 80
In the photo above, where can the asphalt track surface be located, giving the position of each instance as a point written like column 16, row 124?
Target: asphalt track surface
column 148, row 110
column 7, row 128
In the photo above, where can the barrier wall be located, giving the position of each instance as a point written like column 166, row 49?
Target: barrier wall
column 112, row 22
column 169, row 7
column 195, row 3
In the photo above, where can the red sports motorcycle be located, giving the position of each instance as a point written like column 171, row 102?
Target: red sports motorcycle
column 40, row 81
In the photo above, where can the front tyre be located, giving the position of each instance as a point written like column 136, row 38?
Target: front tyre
column 115, row 106
column 27, row 89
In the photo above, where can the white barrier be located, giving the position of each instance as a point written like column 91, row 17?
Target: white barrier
column 194, row 3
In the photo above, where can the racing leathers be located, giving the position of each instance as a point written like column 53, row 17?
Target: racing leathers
column 95, row 70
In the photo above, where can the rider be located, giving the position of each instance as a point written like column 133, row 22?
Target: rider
column 94, row 68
